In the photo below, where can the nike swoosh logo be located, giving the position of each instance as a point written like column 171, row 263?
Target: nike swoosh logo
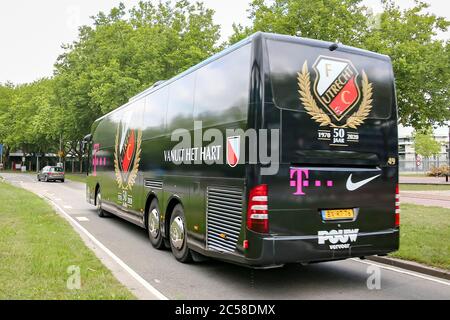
column 351, row 186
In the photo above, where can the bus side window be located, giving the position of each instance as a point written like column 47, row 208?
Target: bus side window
column 137, row 113
column 155, row 113
column 180, row 110
column 223, row 88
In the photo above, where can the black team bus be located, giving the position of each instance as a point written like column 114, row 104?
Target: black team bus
column 277, row 150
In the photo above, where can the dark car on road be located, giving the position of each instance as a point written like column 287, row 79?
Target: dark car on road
column 51, row 174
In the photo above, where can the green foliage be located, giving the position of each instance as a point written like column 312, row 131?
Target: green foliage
column 27, row 114
column 127, row 50
column 6, row 97
column 425, row 144
column 421, row 63
column 330, row 20
column 121, row 54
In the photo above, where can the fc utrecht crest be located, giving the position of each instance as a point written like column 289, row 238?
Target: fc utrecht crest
column 127, row 155
column 233, row 150
column 336, row 88
column 335, row 85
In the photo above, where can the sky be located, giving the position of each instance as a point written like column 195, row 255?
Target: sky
column 32, row 32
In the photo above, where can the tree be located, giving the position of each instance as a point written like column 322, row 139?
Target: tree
column 6, row 98
column 329, row 20
column 421, row 63
column 122, row 55
column 29, row 119
column 425, row 144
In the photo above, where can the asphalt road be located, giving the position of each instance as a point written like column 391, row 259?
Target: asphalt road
column 218, row 280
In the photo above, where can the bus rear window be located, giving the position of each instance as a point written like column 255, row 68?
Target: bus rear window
column 336, row 79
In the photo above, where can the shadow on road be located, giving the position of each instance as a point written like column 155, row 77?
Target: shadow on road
column 276, row 283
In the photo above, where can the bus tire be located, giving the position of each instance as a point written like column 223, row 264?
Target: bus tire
column 178, row 235
column 154, row 225
column 98, row 202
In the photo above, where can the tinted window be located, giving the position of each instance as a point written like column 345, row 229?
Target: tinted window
column 57, row 169
column 286, row 61
column 136, row 109
column 105, row 132
column 181, row 103
column 155, row 113
column 222, row 88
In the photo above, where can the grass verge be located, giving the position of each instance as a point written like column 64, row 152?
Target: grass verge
column 36, row 249
column 76, row 177
column 424, row 187
column 425, row 235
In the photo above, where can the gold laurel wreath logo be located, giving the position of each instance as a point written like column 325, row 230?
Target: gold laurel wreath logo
column 133, row 173
column 318, row 115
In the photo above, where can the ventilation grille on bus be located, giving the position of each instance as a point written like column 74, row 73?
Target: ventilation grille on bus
column 224, row 218
column 154, row 184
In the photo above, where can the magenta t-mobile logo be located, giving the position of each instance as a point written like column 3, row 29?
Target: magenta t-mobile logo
column 97, row 161
column 300, row 180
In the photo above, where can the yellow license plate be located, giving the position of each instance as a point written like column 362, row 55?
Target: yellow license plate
column 338, row 214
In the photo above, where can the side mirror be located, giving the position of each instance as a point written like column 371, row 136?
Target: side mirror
column 85, row 142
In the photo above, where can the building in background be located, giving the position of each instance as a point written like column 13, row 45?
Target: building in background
column 411, row 162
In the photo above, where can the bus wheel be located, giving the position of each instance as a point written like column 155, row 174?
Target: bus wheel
column 153, row 226
column 178, row 239
column 101, row 213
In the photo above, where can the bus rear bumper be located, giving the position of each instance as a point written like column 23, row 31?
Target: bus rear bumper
column 280, row 250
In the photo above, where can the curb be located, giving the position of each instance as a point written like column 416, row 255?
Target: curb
column 412, row 266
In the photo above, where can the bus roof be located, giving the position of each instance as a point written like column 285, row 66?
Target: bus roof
column 257, row 35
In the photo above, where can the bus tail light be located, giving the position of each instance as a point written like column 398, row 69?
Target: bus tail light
column 258, row 211
column 397, row 206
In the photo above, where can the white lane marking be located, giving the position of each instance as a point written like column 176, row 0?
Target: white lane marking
column 82, row 219
column 58, row 199
column 133, row 273
column 68, row 207
column 414, row 274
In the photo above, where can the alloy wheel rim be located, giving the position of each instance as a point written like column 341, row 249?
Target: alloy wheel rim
column 99, row 201
column 177, row 233
column 153, row 225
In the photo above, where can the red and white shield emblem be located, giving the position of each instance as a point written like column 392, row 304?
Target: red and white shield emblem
column 233, row 151
column 336, row 85
column 128, row 150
